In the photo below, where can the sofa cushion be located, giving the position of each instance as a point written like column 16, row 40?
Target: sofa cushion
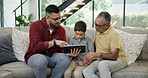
column 20, row 41
column 20, row 70
column 139, row 69
column 132, row 45
column 6, row 51
column 134, row 30
column 6, row 74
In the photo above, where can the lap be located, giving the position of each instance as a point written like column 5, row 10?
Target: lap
column 112, row 65
column 36, row 60
column 51, row 61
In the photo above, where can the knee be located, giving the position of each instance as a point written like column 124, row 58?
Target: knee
column 85, row 71
column 39, row 61
column 67, row 74
column 78, row 74
column 103, row 65
column 64, row 58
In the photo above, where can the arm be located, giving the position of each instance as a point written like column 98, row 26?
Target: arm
column 74, row 52
column 71, row 40
column 36, row 44
column 111, row 55
column 90, row 45
column 37, row 38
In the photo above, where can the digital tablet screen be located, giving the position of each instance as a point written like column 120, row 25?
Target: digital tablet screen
column 67, row 49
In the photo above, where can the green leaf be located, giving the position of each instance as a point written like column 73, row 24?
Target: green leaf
column 23, row 20
column 30, row 16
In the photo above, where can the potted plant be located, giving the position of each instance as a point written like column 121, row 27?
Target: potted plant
column 22, row 20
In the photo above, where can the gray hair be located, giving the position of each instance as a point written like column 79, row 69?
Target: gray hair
column 106, row 16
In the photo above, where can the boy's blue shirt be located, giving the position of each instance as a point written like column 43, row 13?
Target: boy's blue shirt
column 89, row 46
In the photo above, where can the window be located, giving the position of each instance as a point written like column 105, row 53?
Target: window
column 45, row 3
column 1, row 13
column 117, row 12
column 136, row 12
column 122, row 12
column 84, row 14
column 88, row 13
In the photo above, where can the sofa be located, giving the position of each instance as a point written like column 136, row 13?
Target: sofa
column 137, row 69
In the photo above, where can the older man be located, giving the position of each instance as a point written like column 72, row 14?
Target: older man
column 109, row 56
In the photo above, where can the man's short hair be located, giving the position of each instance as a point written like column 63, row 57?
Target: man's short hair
column 52, row 9
column 106, row 16
column 80, row 26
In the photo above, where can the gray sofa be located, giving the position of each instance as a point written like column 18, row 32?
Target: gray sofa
column 139, row 69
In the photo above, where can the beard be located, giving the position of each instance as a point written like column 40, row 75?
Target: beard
column 56, row 25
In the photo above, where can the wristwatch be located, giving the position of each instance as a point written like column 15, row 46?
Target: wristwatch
column 54, row 41
column 101, row 56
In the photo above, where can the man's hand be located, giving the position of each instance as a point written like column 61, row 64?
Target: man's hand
column 74, row 52
column 91, row 56
column 61, row 43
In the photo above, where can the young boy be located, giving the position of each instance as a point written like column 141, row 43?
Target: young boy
column 78, row 64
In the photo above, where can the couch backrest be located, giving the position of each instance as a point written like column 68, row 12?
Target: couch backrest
column 90, row 32
column 8, row 30
column 70, row 32
column 25, row 29
column 133, row 30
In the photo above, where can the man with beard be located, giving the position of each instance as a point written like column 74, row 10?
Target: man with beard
column 47, row 37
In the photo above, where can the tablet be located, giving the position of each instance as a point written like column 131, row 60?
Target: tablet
column 67, row 49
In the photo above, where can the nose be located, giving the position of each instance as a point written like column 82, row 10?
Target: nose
column 79, row 36
column 59, row 20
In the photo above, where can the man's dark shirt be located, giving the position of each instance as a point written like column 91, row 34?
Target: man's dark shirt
column 40, row 36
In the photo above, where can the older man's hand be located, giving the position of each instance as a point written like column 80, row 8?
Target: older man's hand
column 91, row 56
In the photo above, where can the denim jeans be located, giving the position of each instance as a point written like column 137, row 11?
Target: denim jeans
column 58, row 62
column 103, row 69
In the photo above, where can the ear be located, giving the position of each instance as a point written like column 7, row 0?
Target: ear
column 107, row 27
column 46, row 17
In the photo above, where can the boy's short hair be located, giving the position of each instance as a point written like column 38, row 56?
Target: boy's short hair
column 80, row 26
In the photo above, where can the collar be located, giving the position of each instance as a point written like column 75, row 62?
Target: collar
column 107, row 31
column 76, row 39
column 44, row 22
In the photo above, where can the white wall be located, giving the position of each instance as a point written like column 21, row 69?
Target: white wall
column 9, row 16
column 9, row 6
column 33, row 9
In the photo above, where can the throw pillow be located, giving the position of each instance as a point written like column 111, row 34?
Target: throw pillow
column 132, row 45
column 6, row 51
column 20, row 41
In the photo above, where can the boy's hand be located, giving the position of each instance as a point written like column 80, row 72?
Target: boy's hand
column 81, row 63
column 74, row 52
